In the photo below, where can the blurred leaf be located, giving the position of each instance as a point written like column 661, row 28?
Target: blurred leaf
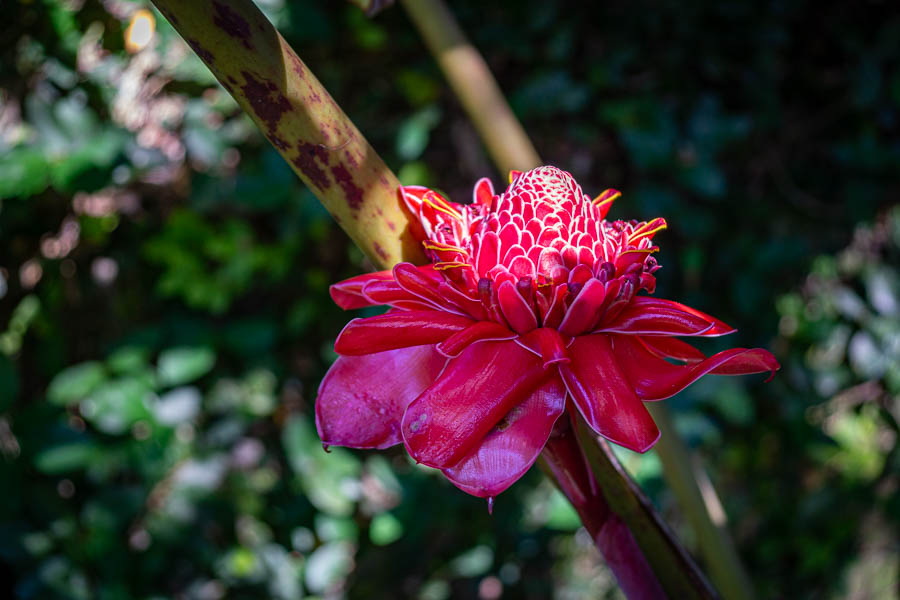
column 386, row 529
column 413, row 134
column 180, row 405
column 116, row 405
column 75, row 383
column 476, row 561
column 66, row 457
column 330, row 480
column 327, row 567
column 23, row 173
column 176, row 366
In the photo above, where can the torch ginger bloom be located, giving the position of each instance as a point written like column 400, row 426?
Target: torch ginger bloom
column 531, row 303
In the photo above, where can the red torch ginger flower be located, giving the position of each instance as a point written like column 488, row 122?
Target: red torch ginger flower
column 530, row 302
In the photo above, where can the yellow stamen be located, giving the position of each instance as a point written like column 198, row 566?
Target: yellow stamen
column 645, row 231
column 600, row 201
column 432, row 245
column 443, row 266
column 513, row 174
column 437, row 203
column 650, row 250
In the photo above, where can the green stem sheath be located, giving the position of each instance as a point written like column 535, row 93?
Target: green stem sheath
column 301, row 120
column 697, row 498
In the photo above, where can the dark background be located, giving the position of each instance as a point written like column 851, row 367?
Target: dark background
column 164, row 317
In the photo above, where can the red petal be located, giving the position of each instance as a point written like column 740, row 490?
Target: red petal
column 512, row 446
column 585, row 310
column 605, row 397
column 472, row 395
column 643, row 319
column 655, row 379
column 546, row 343
column 348, row 293
column 420, row 284
column 631, row 257
column 518, row 314
column 670, row 347
column 479, row 332
column 390, row 292
column 718, row 328
column 488, row 253
column 412, row 196
column 483, row 194
column 555, row 313
column 398, row 330
column 362, row 398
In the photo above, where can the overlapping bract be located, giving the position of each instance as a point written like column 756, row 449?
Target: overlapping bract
column 529, row 303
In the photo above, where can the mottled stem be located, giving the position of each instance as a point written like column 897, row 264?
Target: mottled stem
column 697, row 498
column 564, row 462
column 298, row 116
column 474, row 85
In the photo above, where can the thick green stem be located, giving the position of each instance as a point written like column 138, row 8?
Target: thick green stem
column 298, row 116
column 698, row 500
column 474, row 85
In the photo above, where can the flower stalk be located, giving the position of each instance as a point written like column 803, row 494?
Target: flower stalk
column 563, row 461
column 472, row 82
column 676, row 570
column 298, row 116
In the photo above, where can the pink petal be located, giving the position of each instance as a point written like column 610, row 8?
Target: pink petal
column 518, row 314
column 557, row 310
column 412, row 196
column 655, row 379
column 511, row 447
column 670, row 347
column 546, row 343
column 389, row 292
column 470, row 397
column 483, row 194
column 661, row 319
column 718, row 328
column 605, row 397
column 362, row 399
column 399, row 329
column 631, row 257
column 420, row 284
column 585, row 310
column 348, row 293
column 488, row 253
column 479, row 332
column 521, row 266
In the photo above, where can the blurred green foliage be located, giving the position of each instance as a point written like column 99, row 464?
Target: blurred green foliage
column 164, row 316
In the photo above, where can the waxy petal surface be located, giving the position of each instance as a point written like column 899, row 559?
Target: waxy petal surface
column 470, row 397
column 399, row 329
column 361, row 400
column 348, row 293
column 655, row 379
column 605, row 397
column 511, row 447
column 650, row 304
column 478, row 332
column 659, row 320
